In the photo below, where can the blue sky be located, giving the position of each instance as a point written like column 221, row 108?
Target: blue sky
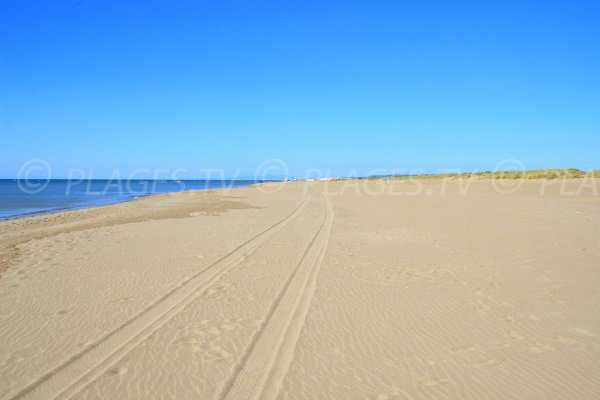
column 344, row 87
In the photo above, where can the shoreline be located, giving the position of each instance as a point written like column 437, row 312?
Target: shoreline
column 551, row 183
column 106, row 199
column 110, row 214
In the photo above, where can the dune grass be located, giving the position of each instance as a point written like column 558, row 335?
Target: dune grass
column 571, row 173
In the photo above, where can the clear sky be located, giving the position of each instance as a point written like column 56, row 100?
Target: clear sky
column 339, row 86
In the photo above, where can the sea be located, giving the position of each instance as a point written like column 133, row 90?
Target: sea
column 22, row 198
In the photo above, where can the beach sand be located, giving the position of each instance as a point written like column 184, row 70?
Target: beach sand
column 339, row 290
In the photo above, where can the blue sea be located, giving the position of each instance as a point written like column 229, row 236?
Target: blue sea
column 22, row 198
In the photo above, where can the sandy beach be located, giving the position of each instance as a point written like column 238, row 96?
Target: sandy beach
column 339, row 290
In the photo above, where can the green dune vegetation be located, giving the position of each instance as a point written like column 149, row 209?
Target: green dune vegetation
column 571, row 173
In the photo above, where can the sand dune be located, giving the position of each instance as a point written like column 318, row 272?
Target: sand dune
column 347, row 290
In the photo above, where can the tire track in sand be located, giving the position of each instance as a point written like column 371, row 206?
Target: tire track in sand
column 82, row 368
column 265, row 365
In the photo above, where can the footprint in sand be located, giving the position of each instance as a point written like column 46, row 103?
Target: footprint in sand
column 542, row 348
column 119, row 371
column 463, row 349
column 216, row 353
column 123, row 300
column 15, row 359
column 583, row 332
column 566, row 340
column 213, row 330
column 486, row 364
column 434, row 381
column 227, row 327
column 218, row 287
column 345, row 252
column 388, row 396
column 187, row 340
column 509, row 318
